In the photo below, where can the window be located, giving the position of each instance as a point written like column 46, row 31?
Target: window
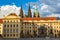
column 11, row 25
column 10, row 34
column 36, row 30
column 4, row 30
column 4, row 35
column 14, row 20
column 8, row 21
column 11, row 21
column 4, row 25
column 17, row 25
column 30, row 30
column 55, row 30
column 7, row 34
column 13, row 34
column 7, row 25
column 48, row 27
column 30, row 27
column 14, row 25
column 22, row 27
column 10, row 30
column 7, row 30
column 16, row 30
column 16, row 34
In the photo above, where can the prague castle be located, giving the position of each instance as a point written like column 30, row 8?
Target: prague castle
column 26, row 26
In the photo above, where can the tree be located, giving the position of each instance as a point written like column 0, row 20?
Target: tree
column 59, row 34
column 21, row 34
column 35, row 35
column 42, row 31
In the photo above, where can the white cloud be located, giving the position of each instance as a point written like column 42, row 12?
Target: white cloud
column 53, row 7
column 7, row 9
column 54, row 15
column 44, row 8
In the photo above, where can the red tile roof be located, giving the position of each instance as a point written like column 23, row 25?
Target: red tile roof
column 1, row 21
column 46, row 18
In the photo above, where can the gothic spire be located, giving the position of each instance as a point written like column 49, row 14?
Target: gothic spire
column 29, row 12
column 21, row 12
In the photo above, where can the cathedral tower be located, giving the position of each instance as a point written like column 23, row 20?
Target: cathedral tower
column 36, row 13
column 29, row 12
column 21, row 12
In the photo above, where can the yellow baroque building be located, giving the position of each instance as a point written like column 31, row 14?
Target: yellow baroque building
column 11, row 26
column 37, row 24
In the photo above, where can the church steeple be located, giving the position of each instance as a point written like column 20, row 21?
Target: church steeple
column 36, row 13
column 29, row 12
column 21, row 12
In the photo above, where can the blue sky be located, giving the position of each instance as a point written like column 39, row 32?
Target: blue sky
column 46, row 8
column 16, row 2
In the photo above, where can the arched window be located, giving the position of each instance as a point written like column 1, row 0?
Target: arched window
column 5, row 25
column 17, row 25
column 11, row 25
column 14, row 25
column 8, row 25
